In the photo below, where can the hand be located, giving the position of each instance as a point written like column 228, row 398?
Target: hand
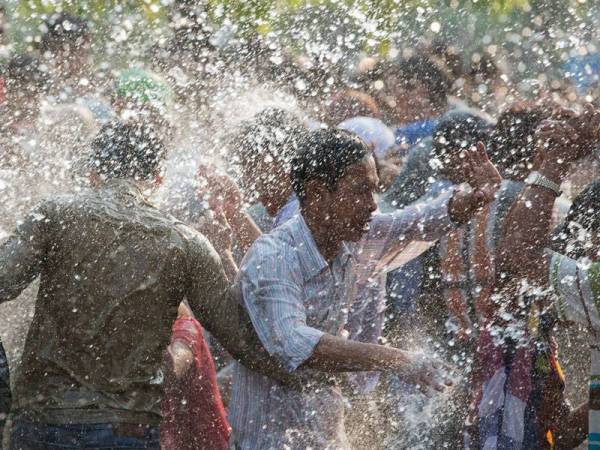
column 556, row 146
column 425, row 372
column 180, row 359
column 221, row 192
column 484, row 180
column 587, row 127
column 217, row 230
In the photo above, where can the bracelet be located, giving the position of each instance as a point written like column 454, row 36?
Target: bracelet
column 537, row 179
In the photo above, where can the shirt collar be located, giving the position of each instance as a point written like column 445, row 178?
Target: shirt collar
column 309, row 256
column 123, row 188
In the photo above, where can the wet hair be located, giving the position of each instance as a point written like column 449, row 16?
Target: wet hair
column 573, row 237
column 512, row 141
column 273, row 133
column 63, row 28
column 485, row 68
column 127, row 150
column 24, row 70
column 457, row 131
column 325, row 156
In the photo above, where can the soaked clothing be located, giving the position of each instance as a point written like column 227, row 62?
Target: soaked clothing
column 294, row 296
column 37, row 436
column 577, row 299
column 113, row 271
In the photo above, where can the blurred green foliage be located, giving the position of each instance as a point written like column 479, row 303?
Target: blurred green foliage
column 376, row 24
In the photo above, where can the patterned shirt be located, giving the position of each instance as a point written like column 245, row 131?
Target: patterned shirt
column 293, row 297
column 577, row 296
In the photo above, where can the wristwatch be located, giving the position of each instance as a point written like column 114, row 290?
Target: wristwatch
column 537, row 179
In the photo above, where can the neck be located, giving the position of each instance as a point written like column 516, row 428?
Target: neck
column 284, row 192
column 327, row 243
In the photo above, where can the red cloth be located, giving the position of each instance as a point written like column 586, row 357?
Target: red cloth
column 193, row 412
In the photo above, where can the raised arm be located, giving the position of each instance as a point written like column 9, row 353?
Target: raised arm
column 22, row 254
column 526, row 227
column 429, row 220
column 224, row 197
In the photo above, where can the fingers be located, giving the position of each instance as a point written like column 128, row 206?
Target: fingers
column 481, row 154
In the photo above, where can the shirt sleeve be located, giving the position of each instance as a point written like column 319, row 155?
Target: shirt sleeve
column 273, row 296
column 22, row 254
column 421, row 221
column 577, row 290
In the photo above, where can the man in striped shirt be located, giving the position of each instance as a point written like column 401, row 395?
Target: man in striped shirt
column 298, row 281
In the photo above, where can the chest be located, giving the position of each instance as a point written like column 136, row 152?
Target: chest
column 328, row 296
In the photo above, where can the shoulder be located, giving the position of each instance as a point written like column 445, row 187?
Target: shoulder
column 197, row 244
column 272, row 252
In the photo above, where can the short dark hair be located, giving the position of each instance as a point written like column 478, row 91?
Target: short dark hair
column 61, row 28
column 25, row 69
column 458, row 130
column 584, row 215
column 127, row 150
column 420, row 69
column 325, row 155
column 423, row 69
column 512, row 141
column 274, row 132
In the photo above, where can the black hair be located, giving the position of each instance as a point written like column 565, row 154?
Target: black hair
column 63, row 28
column 423, row 69
column 127, row 150
column 457, row 131
column 420, row 69
column 273, row 133
column 325, row 155
column 25, row 70
column 512, row 140
column 573, row 237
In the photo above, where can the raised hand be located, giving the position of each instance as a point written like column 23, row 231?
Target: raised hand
column 482, row 175
column 587, row 127
column 483, row 179
column 219, row 190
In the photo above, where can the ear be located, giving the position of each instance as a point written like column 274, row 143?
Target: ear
column 316, row 192
column 158, row 178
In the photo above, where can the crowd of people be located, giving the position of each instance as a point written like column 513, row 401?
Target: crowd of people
column 384, row 260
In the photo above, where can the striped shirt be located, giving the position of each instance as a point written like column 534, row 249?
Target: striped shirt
column 293, row 296
column 577, row 290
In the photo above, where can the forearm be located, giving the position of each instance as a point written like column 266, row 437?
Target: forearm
column 244, row 229
column 229, row 265
column 334, row 354
column 526, row 229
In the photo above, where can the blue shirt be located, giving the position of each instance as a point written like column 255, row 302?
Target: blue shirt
column 414, row 132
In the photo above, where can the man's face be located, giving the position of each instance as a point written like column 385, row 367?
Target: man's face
column 349, row 208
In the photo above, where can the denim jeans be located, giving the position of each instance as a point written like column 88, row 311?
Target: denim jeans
column 38, row 436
